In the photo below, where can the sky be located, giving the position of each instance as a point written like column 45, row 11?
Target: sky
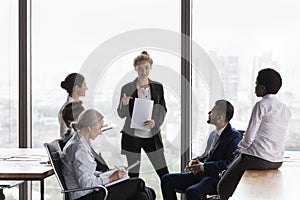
column 63, row 40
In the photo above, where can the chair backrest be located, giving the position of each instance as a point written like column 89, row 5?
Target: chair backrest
column 54, row 152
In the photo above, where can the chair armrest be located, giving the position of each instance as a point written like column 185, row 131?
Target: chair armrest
column 88, row 188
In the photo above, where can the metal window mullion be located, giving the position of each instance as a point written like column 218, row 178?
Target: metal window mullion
column 185, row 82
column 24, row 88
column 24, row 78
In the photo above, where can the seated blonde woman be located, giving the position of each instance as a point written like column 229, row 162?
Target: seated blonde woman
column 79, row 166
column 70, row 113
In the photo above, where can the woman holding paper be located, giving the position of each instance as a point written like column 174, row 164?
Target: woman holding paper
column 79, row 166
column 145, row 135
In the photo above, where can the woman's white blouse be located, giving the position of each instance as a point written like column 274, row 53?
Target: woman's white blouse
column 143, row 93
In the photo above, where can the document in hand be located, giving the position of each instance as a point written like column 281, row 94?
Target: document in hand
column 142, row 111
column 108, row 173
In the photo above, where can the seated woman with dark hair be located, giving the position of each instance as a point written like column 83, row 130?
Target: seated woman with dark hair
column 70, row 112
column 79, row 166
column 75, row 86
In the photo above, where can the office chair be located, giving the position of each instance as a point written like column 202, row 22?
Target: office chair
column 54, row 152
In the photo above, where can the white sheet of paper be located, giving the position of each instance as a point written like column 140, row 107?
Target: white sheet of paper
column 110, row 172
column 142, row 111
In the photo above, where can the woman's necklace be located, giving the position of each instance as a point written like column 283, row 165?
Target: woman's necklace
column 143, row 91
column 143, row 88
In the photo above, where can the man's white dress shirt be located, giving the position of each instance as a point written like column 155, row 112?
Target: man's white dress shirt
column 265, row 135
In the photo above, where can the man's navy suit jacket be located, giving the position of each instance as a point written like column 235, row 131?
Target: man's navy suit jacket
column 223, row 152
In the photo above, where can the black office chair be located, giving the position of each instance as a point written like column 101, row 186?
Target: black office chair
column 54, row 152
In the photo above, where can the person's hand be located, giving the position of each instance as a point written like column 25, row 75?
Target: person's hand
column 194, row 166
column 118, row 174
column 193, row 162
column 125, row 99
column 238, row 152
column 188, row 165
column 149, row 123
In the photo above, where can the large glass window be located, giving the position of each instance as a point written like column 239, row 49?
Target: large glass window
column 240, row 38
column 66, row 34
column 9, row 68
column 9, row 118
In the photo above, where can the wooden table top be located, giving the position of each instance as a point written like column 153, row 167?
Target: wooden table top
column 278, row 184
column 24, row 164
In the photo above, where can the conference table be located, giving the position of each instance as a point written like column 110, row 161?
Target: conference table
column 278, row 184
column 25, row 164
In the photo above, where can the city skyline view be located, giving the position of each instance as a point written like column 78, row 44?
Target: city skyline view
column 239, row 38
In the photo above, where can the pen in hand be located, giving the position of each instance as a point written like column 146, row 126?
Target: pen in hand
column 121, row 168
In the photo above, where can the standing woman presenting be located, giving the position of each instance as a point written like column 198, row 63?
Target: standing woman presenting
column 75, row 86
column 133, row 140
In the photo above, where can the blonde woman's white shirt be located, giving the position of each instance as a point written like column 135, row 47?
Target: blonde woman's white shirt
column 79, row 166
column 265, row 134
